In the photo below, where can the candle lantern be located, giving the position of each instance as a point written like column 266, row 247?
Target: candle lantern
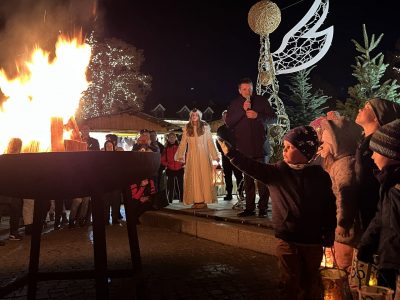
column 362, row 273
column 375, row 293
column 218, row 175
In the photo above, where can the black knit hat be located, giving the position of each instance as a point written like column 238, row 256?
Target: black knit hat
column 386, row 140
column 385, row 111
column 305, row 139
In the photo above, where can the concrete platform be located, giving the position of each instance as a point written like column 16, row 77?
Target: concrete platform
column 219, row 223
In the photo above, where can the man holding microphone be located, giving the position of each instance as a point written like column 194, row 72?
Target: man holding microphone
column 248, row 116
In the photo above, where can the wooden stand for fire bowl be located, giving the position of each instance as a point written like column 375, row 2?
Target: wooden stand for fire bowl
column 60, row 175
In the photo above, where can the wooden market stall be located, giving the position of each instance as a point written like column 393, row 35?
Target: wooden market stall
column 129, row 123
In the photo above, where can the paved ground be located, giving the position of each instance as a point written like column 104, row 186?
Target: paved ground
column 176, row 266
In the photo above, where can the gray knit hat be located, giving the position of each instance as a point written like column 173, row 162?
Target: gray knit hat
column 385, row 111
column 386, row 140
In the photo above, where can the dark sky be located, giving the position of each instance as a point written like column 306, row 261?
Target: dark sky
column 197, row 51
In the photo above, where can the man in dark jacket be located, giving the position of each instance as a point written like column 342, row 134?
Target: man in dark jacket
column 248, row 116
column 226, row 134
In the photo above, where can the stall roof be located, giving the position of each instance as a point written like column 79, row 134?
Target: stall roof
column 129, row 123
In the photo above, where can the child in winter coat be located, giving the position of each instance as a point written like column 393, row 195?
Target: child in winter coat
column 174, row 169
column 140, row 192
column 339, row 140
column 303, row 205
column 382, row 236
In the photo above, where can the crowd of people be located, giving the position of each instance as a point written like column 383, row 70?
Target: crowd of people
column 338, row 184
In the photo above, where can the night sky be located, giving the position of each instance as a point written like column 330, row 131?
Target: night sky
column 196, row 51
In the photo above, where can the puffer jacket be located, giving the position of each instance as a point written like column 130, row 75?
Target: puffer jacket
column 344, row 136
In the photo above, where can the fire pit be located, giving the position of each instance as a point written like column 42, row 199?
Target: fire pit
column 55, row 175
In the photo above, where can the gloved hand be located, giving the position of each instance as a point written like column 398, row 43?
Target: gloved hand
column 225, row 146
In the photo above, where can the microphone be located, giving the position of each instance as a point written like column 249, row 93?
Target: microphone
column 249, row 100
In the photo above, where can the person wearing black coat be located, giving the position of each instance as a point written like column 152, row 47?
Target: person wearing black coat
column 375, row 113
column 304, row 210
column 382, row 236
column 226, row 134
column 248, row 116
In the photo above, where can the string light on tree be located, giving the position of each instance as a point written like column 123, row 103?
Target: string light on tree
column 116, row 82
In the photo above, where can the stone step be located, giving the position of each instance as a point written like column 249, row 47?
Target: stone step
column 245, row 236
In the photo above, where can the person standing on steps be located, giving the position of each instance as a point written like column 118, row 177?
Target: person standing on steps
column 226, row 133
column 248, row 116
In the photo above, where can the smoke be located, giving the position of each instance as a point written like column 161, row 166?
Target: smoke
column 28, row 23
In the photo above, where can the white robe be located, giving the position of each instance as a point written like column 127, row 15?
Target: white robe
column 198, row 179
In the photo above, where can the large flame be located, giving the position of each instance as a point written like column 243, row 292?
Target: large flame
column 44, row 90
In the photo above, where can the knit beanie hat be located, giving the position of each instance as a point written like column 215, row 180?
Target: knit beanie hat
column 385, row 111
column 305, row 139
column 386, row 140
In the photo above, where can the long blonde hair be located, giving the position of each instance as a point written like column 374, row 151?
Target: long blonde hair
column 190, row 125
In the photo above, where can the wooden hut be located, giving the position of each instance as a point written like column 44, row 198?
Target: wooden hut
column 129, row 123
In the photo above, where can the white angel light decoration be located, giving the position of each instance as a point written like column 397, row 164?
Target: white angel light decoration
column 301, row 47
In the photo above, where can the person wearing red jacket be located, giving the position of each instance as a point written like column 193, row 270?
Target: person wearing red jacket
column 174, row 169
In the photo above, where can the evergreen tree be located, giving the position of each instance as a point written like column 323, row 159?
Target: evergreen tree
column 306, row 105
column 393, row 59
column 369, row 72
column 116, row 82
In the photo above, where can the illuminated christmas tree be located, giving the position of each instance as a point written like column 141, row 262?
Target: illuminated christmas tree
column 116, row 82
column 369, row 72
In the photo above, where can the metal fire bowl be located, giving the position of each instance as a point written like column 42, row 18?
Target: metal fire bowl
column 54, row 175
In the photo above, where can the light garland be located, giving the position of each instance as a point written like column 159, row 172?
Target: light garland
column 116, row 82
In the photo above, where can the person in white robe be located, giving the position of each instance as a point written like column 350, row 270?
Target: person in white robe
column 197, row 150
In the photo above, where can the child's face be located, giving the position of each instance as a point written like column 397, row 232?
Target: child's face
column 292, row 155
column 381, row 161
column 366, row 115
column 172, row 139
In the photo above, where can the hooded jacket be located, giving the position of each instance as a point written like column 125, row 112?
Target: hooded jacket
column 343, row 136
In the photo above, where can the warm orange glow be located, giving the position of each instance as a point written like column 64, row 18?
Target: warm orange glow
column 327, row 258
column 45, row 89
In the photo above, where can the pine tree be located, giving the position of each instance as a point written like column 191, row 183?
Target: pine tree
column 116, row 82
column 369, row 72
column 393, row 59
column 307, row 105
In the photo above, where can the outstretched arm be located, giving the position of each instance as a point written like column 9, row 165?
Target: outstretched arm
column 265, row 173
